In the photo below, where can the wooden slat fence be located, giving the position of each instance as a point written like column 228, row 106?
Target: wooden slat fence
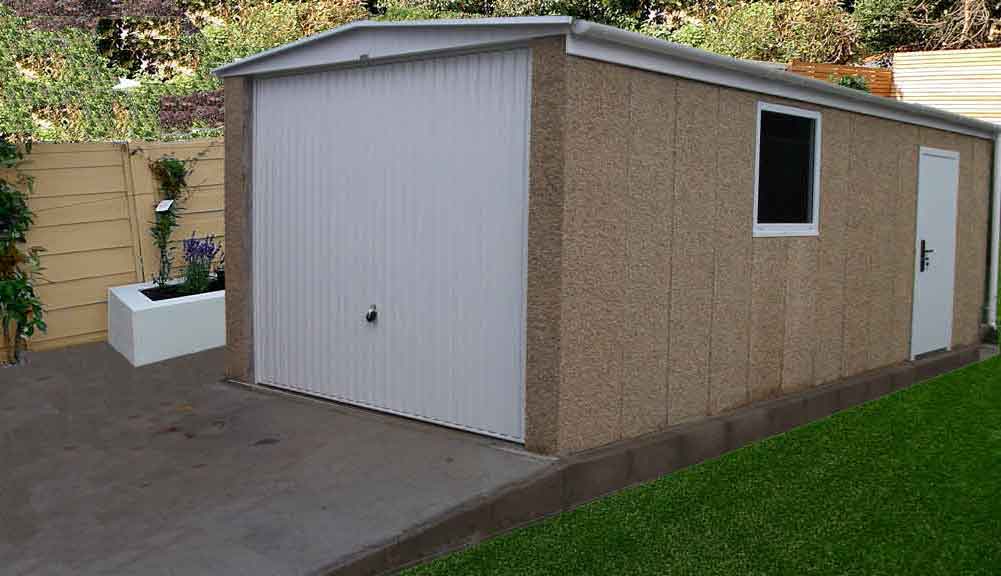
column 880, row 79
column 203, row 208
column 93, row 207
column 962, row 81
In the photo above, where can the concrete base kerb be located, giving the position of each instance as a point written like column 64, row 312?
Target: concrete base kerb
column 583, row 477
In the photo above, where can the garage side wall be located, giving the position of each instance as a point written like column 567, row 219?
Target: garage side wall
column 672, row 312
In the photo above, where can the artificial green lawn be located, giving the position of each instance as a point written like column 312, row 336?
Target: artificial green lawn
column 909, row 484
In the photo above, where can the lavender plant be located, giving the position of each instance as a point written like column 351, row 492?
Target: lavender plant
column 199, row 253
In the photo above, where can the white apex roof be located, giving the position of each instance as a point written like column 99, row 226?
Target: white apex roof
column 371, row 41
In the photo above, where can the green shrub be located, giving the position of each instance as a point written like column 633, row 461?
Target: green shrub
column 228, row 35
column 743, row 32
column 21, row 313
column 415, row 13
column 614, row 12
column 436, row 8
column 247, row 32
column 56, row 86
column 885, row 25
column 853, row 81
column 818, row 31
column 159, row 46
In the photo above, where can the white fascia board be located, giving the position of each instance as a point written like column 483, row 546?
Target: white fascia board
column 992, row 292
column 610, row 44
column 371, row 40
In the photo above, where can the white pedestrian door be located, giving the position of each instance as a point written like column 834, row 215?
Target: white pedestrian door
column 402, row 187
column 935, row 250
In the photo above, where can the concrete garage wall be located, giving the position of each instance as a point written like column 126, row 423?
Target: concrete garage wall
column 670, row 311
column 545, row 232
column 239, row 289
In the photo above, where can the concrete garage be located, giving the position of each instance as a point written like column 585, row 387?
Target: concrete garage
column 566, row 235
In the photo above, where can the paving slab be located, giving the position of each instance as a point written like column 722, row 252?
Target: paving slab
column 165, row 469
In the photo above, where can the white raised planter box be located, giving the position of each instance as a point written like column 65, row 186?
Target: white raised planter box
column 145, row 331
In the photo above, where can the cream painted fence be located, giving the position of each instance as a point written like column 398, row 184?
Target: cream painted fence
column 962, row 81
column 93, row 206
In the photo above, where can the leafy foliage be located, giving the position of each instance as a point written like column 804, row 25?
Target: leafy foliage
column 435, row 7
column 227, row 34
column 198, row 109
column 400, row 12
column 817, row 31
column 172, row 176
column 853, row 81
column 60, row 60
column 56, row 86
column 885, row 24
column 157, row 46
column 614, row 12
column 61, row 14
column 21, row 313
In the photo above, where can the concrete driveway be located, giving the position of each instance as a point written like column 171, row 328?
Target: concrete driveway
column 106, row 469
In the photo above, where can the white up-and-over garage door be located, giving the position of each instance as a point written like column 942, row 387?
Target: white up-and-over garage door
column 401, row 187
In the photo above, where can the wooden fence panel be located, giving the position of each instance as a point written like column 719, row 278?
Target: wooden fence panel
column 880, row 79
column 93, row 207
column 82, row 220
column 966, row 82
column 202, row 209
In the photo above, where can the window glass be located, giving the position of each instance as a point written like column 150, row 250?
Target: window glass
column 785, row 169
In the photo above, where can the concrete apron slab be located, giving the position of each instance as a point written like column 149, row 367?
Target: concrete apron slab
column 583, row 477
column 108, row 469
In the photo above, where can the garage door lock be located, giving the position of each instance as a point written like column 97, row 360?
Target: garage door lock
column 372, row 314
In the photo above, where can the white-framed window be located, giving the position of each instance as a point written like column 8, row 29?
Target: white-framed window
column 787, row 171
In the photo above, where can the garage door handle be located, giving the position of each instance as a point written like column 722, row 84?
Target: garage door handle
column 371, row 315
column 925, row 251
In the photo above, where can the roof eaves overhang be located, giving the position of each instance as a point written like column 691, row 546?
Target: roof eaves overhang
column 351, row 44
column 434, row 36
column 607, row 43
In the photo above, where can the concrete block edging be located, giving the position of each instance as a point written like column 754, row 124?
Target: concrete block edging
column 581, row 478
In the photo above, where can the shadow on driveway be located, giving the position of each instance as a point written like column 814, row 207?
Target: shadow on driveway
column 107, row 469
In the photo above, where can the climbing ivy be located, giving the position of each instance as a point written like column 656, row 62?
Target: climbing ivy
column 21, row 313
column 172, row 175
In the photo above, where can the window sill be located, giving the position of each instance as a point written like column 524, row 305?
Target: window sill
column 785, row 230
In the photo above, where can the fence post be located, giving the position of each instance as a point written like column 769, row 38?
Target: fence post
column 134, row 221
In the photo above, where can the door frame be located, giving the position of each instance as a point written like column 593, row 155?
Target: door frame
column 952, row 155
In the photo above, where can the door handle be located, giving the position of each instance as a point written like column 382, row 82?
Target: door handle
column 925, row 251
column 371, row 315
